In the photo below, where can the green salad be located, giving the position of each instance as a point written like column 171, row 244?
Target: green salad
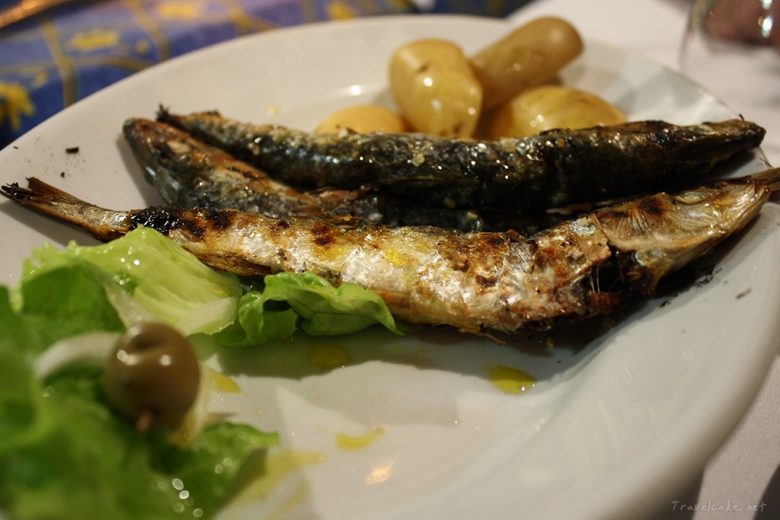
column 64, row 452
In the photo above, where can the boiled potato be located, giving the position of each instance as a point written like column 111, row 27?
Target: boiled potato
column 551, row 106
column 435, row 88
column 363, row 119
column 528, row 56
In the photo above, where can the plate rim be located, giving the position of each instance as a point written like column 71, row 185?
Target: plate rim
column 749, row 391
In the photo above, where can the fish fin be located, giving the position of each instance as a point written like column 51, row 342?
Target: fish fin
column 164, row 115
column 37, row 195
column 46, row 199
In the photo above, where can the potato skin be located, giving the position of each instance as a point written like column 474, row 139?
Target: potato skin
column 435, row 88
column 528, row 56
column 363, row 119
column 551, row 106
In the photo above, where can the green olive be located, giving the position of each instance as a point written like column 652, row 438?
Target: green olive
column 152, row 376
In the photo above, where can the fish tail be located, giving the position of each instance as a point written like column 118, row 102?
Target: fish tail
column 768, row 180
column 162, row 111
column 164, row 115
column 43, row 198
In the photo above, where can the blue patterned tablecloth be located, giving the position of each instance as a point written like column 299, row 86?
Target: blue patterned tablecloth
column 57, row 58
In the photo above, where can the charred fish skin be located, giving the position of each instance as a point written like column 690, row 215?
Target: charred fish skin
column 551, row 169
column 188, row 173
column 475, row 282
column 426, row 275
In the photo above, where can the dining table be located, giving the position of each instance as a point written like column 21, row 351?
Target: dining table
column 58, row 57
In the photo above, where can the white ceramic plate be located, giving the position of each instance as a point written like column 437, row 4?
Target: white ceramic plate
column 613, row 425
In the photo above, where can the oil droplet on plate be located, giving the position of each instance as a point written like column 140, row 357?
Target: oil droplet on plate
column 328, row 357
column 272, row 111
column 223, row 383
column 352, row 443
column 511, row 380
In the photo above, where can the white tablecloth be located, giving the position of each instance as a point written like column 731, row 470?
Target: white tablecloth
column 745, row 473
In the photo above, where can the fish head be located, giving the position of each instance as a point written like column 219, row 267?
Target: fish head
column 170, row 158
column 658, row 234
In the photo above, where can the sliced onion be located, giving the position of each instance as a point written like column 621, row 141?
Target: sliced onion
column 91, row 349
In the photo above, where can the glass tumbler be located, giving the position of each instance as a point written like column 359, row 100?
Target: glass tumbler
column 732, row 49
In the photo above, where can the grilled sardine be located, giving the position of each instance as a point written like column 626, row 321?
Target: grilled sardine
column 188, row 173
column 552, row 169
column 476, row 282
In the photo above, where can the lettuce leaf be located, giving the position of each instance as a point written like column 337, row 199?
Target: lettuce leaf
column 86, row 463
column 326, row 310
column 65, row 454
column 258, row 323
column 20, row 397
column 65, row 301
column 303, row 300
column 147, row 276
column 212, row 468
